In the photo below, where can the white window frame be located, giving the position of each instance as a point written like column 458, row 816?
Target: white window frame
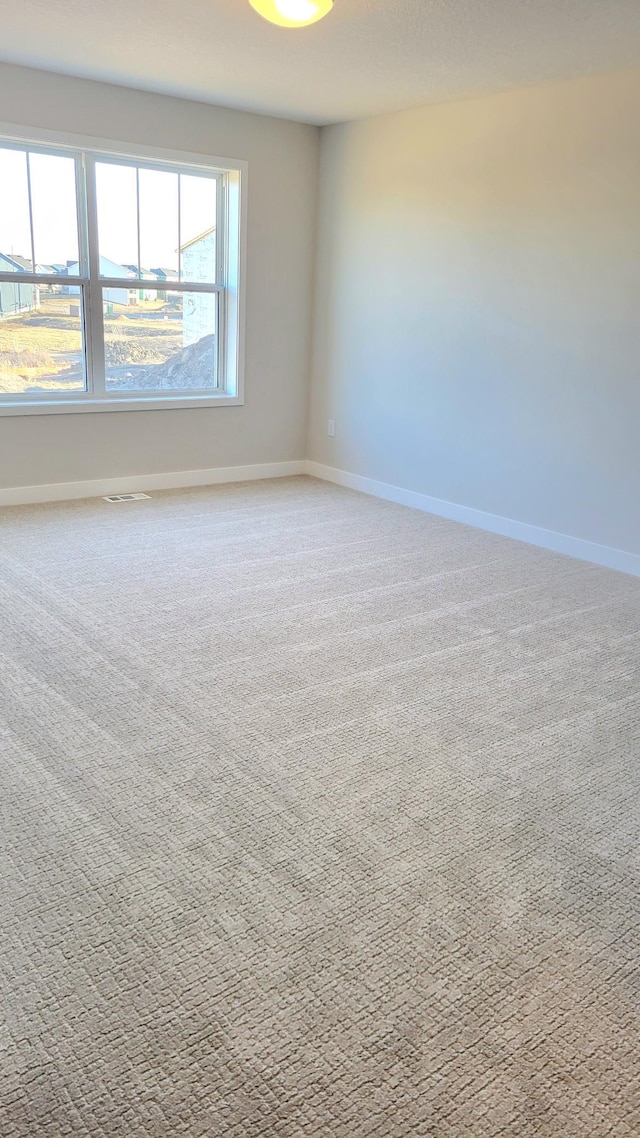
column 231, row 177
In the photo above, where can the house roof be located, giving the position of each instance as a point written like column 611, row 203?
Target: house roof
column 139, row 274
column 200, row 237
column 21, row 264
column 105, row 264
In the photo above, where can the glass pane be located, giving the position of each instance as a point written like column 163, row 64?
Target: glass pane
column 160, row 341
column 198, row 228
column 41, row 348
column 158, row 224
column 55, row 215
column 15, row 231
column 117, row 219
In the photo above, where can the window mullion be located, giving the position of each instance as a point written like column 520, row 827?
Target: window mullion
column 138, row 219
column 221, row 257
column 95, row 316
column 33, row 244
column 221, row 318
column 179, row 227
column 81, row 208
column 221, row 278
column 83, row 269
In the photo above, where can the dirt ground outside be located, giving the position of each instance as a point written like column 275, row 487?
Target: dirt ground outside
column 41, row 350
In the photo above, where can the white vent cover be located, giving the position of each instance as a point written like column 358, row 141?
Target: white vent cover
column 125, row 497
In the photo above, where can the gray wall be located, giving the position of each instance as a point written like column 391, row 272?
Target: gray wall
column 271, row 427
column 477, row 333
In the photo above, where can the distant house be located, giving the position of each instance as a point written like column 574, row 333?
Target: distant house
column 107, row 269
column 16, row 297
column 141, row 293
column 51, row 270
column 199, row 308
column 163, row 275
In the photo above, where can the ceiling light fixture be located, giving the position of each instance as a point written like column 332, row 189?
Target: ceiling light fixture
column 292, row 13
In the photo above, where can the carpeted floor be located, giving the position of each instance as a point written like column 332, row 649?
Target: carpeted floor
column 320, row 821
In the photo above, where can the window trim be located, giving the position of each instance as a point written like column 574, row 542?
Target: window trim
column 231, row 287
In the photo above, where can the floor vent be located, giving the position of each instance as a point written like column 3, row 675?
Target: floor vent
column 125, row 497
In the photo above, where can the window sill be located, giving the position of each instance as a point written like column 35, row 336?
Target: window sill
column 135, row 403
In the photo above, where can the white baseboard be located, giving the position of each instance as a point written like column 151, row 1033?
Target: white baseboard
column 534, row 535
column 132, row 483
column 577, row 547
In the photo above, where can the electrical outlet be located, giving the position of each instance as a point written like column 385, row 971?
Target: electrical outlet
column 331, row 428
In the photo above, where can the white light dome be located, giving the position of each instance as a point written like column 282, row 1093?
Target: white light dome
column 292, row 13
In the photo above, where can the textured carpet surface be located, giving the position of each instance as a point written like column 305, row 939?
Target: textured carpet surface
column 320, row 820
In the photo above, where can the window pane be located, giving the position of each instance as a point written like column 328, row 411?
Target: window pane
column 198, row 228
column 158, row 224
column 117, row 219
column 160, row 341
column 15, row 231
column 55, row 215
column 41, row 348
column 167, row 212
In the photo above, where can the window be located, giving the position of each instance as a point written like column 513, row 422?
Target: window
column 119, row 281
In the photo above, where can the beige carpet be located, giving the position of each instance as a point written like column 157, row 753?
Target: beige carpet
column 320, row 821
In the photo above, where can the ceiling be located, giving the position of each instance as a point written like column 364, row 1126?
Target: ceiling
column 365, row 58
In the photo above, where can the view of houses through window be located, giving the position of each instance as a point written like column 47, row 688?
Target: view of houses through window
column 109, row 277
